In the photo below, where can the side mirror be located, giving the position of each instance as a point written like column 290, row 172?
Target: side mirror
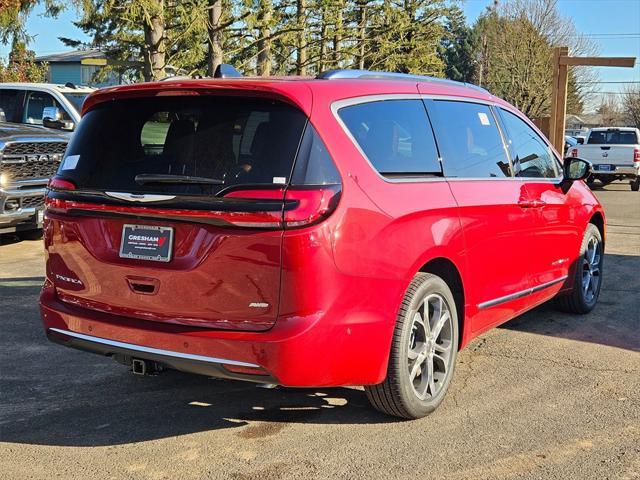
column 576, row 168
column 3, row 117
column 52, row 118
column 51, row 113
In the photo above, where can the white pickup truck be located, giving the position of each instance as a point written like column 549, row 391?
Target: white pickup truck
column 614, row 154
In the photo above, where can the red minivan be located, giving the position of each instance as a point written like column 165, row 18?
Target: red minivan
column 358, row 228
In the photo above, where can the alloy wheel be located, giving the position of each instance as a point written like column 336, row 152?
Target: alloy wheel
column 430, row 346
column 591, row 269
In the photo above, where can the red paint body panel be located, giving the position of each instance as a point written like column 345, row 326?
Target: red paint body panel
column 334, row 288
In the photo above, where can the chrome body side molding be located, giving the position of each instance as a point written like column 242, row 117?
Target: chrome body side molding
column 520, row 294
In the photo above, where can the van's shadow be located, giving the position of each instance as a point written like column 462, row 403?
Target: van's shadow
column 52, row 395
column 615, row 321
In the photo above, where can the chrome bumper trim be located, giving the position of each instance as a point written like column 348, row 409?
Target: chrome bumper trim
column 18, row 215
column 152, row 351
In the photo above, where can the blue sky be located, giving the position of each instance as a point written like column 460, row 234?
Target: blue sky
column 614, row 25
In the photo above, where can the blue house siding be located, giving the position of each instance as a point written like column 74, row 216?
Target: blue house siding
column 73, row 72
column 65, row 72
column 78, row 67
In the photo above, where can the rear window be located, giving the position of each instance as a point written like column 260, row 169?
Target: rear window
column 613, row 137
column 230, row 141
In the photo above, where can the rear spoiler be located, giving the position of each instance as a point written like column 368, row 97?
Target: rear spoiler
column 293, row 92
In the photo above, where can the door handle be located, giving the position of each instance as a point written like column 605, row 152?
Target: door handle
column 531, row 203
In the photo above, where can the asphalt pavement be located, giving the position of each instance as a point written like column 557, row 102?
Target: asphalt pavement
column 547, row 395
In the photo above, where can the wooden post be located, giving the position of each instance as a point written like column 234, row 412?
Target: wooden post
column 554, row 96
column 561, row 62
column 561, row 99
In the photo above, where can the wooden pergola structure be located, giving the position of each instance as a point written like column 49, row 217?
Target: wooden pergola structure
column 561, row 63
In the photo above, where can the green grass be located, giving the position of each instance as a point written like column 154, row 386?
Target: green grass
column 154, row 133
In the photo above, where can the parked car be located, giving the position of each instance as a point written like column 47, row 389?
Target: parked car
column 29, row 157
column 354, row 229
column 26, row 103
column 614, row 153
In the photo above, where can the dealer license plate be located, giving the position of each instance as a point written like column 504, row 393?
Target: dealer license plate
column 147, row 242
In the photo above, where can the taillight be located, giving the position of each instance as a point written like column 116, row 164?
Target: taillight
column 57, row 183
column 313, row 204
column 258, row 218
column 302, row 206
column 636, row 155
column 574, row 152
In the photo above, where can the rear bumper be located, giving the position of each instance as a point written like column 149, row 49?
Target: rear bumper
column 624, row 170
column 198, row 364
column 314, row 350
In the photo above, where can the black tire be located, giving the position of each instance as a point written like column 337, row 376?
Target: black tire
column 398, row 394
column 635, row 184
column 579, row 300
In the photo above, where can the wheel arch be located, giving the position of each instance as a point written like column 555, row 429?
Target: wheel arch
column 598, row 220
column 449, row 272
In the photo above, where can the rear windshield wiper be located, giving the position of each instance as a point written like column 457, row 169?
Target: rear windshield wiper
column 144, row 178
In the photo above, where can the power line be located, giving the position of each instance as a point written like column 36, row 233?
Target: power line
column 604, row 93
column 612, row 34
column 601, row 82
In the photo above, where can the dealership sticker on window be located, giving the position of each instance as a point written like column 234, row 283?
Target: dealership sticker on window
column 280, row 180
column 70, row 162
column 484, row 120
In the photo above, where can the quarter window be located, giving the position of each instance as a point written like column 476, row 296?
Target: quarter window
column 395, row 135
column 469, row 140
column 532, row 157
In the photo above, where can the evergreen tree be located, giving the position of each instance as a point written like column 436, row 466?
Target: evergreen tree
column 459, row 48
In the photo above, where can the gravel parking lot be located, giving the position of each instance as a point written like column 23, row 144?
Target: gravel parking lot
column 548, row 395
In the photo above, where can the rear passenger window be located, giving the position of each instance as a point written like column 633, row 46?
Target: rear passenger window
column 469, row 140
column 395, row 135
column 532, row 157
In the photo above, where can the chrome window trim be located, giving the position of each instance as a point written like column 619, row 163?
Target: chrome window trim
column 520, row 294
column 348, row 102
column 155, row 351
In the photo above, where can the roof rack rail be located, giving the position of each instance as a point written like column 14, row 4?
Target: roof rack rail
column 368, row 74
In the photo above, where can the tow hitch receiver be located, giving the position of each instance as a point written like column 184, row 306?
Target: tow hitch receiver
column 144, row 367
